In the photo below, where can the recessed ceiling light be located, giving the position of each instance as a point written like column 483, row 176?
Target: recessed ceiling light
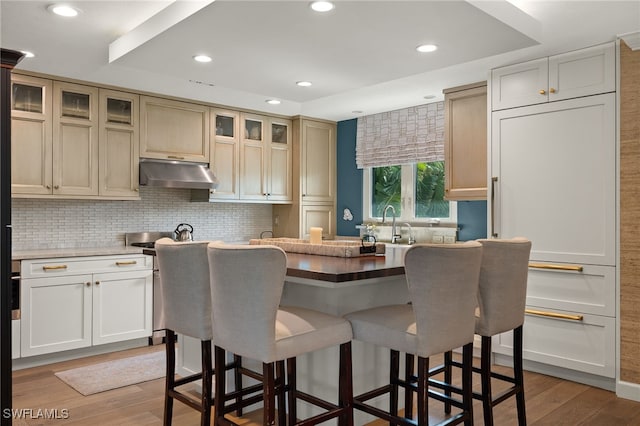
column 357, row 112
column 273, row 102
column 202, row 58
column 429, row 96
column 303, row 83
column 28, row 54
column 424, row 48
column 322, row 6
column 63, row 10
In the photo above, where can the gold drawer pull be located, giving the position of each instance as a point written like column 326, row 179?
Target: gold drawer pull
column 53, row 268
column 554, row 315
column 175, row 157
column 577, row 268
column 128, row 262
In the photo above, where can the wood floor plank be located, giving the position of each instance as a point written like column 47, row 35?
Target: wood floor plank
column 550, row 401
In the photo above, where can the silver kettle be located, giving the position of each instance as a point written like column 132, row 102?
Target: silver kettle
column 184, row 232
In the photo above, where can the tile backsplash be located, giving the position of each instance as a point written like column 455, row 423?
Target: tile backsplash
column 50, row 223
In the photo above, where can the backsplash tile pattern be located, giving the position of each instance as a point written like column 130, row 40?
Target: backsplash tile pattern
column 46, row 223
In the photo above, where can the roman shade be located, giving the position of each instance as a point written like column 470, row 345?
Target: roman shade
column 403, row 136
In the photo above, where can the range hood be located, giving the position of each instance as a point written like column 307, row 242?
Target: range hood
column 176, row 174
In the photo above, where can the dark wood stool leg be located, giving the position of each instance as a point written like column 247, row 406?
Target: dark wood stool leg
column 269, row 409
column 280, row 392
column 448, row 377
column 220, row 361
column 519, row 375
column 394, row 374
column 237, row 379
column 291, row 379
column 207, row 376
column 408, row 393
column 345, row 388
column 485, row 378
column 467, row 384
column 423, row 391
column 170, row 348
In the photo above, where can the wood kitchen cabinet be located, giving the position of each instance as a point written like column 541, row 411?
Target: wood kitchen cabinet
column 173, row 130
column 465, row 142
column 225, row 154
column 71, row 303
column 54, row 138
column 314, row 183
column 31, row 135
column 119, row 144
column 73, row 141
column 265, row 159
column 582, row 72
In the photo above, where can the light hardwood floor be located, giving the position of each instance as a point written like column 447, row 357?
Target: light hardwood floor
column 550, row 401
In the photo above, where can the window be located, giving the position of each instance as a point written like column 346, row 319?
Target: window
column 416, row 191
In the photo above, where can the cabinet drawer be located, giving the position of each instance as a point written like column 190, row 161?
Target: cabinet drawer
column 591, row 290
column 586, row 345
column 83, row 265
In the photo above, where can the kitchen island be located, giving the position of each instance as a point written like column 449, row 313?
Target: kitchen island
column 337, row 286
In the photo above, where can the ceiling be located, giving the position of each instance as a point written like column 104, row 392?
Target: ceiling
column 360, row 57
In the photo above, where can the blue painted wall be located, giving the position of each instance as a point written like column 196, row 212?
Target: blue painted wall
column 472, row 215
column 349, row 179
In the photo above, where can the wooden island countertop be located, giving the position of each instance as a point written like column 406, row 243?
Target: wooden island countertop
column 345, row 269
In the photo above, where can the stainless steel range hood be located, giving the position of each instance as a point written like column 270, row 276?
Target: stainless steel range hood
column 176, row 174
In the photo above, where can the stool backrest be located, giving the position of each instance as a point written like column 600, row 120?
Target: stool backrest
column 503, row 285
column 246, row 287
column 184, row 284
column 443, row 285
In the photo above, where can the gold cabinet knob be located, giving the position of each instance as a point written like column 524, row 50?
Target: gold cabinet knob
column 552, row 90
column 88, row 284
column 542, row 92
column 137, row 189
column 97, row 282
column 56, row 186
column 48, row 186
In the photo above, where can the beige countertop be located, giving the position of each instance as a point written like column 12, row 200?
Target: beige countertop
column 73, row 252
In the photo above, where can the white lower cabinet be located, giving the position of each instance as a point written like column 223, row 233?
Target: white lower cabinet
column 581, row 342
column 67, row 309
column 15, row 339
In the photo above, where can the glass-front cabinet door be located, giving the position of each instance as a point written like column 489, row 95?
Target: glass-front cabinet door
column 225, row 153
column 31, row 136
column 75, row 139
column 280, row 156
column 253, row 158
column 119, row 144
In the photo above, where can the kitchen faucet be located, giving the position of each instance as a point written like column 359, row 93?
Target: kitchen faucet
column 394, row 237
column 411, row 239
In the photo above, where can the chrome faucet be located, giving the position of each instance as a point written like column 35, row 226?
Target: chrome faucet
column 394, row 236
column 411, row 239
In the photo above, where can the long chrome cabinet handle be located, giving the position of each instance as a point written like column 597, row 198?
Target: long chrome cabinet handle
column 54, row 267
column 129, row 262
column 554, row 315
column 575, row 268
column 494, row 234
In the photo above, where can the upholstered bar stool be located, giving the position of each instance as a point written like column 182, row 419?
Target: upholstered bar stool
column 443, row 282
column 501, row 304
column 186, row 297
column 246, row 288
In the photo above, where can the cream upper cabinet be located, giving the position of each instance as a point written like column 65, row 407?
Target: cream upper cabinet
column 465, row 142
column 318, row 161
column 225, row 153
column 582, row 72
column 173, row 130
column 314, row 182
column 75, row 139
column 265, row 159
column 119, row 144
column 31, row 135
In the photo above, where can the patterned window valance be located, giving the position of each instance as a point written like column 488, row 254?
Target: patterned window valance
column 404, row 136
